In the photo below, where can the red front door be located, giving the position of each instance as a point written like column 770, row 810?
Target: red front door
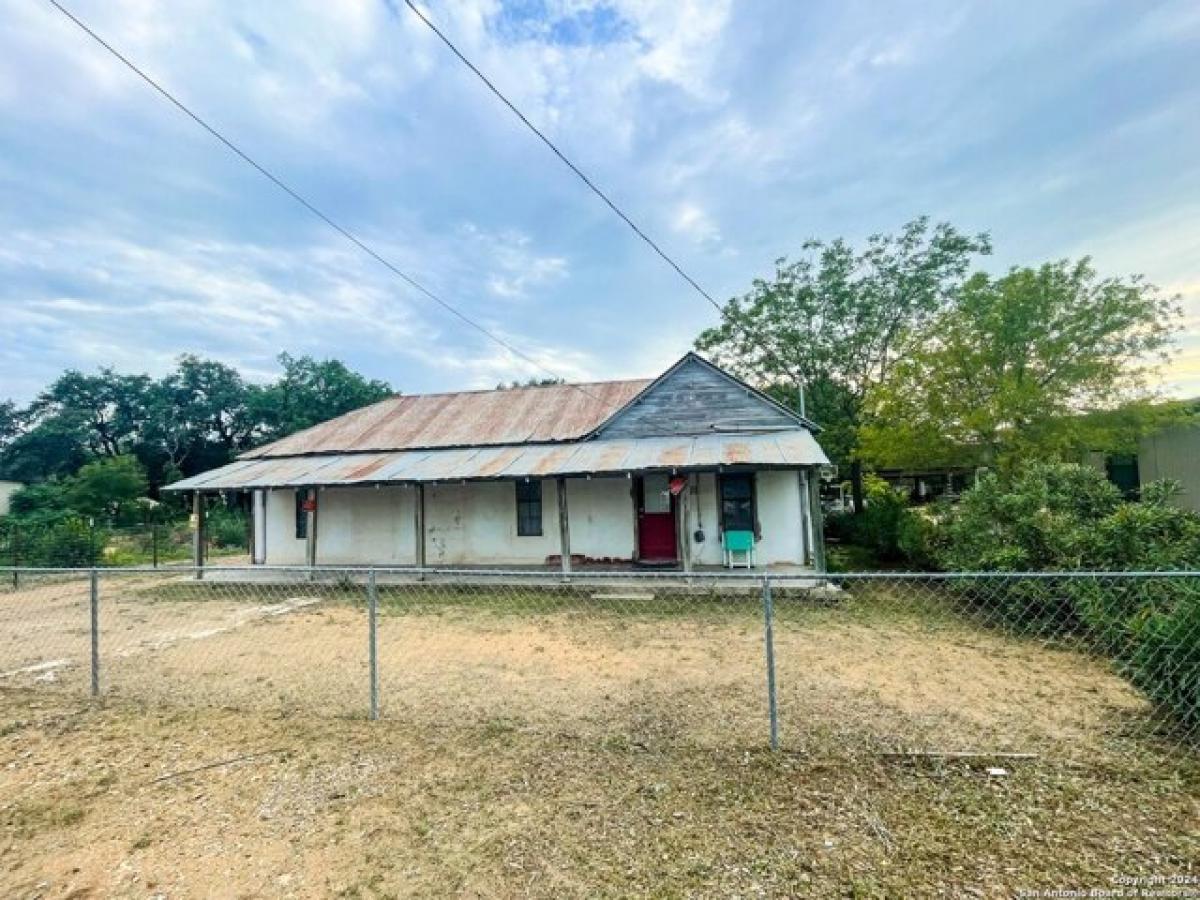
column 656, row 520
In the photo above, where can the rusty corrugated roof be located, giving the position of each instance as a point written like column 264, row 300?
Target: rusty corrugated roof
column 558, row 412
column 782, row 449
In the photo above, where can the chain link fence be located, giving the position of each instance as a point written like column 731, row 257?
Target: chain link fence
column 83, row 542
column 1078, row 665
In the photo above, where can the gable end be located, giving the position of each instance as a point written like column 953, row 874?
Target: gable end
column 696, row 397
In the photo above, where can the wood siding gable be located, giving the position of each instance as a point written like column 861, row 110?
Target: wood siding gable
column 695, row 397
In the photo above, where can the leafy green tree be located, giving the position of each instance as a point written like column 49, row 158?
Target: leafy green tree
column 1011, row 366
column 39, row 500
column 313, row 391
column 200, row 416
column 197, row 417
column 834, row 322
column 109, row 406
column 107, row 487
column 531, row 381
column 54, row 447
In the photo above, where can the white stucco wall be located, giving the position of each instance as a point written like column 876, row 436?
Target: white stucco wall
column 601, row 517
column 354, row 526
column 476, row 523
column 780, row 518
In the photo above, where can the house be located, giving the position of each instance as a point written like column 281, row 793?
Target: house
column 1174, row 454
column 1171, row 453
column 647, row 472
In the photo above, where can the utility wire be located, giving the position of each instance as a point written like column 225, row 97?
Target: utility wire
column 359, row 243
column 563, row 157
column 344, row 232
column 593, row 187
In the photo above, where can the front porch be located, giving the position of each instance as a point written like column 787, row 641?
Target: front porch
column 658, row 523
column 602, row 578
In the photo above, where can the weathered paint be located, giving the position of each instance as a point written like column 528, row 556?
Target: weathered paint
column 560, row 412
column 695, row 397
column 779, row 508
column 476, row 523
column 358, row 526
column 786, row 449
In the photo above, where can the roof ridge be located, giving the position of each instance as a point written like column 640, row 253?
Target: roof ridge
column 523, row 387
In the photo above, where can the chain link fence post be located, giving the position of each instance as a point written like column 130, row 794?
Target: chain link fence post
column 769, row 640
column 94, row 582
column 372, row 639
column 15, row 537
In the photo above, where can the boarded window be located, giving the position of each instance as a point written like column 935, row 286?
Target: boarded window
column 301, row 516
column 737, row 502
column 529, row 508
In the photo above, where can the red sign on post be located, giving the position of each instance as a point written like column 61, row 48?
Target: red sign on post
column 677, row 484
column 309, row 505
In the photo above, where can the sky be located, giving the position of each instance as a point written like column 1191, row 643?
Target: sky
column 731, row 130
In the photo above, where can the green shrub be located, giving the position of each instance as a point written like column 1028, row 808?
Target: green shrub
column 1040, row 518
column 226, row 528
column 1054, row 516
column 1165, row 655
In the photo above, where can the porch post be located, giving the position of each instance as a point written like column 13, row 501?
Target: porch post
column 198, row 533
column 806, row 550
column 681, row 528
column 564, row 525
column 816, row 517
column 310, row 548
column 259, row 527
column 419, row 525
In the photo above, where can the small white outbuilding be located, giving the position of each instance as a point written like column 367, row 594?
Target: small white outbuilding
column 645, row 472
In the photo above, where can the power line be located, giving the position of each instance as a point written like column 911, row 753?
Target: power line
column 591, row 185
column 563, row 157
column 312, row 208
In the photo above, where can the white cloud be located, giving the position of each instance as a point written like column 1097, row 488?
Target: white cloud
column 695, row 224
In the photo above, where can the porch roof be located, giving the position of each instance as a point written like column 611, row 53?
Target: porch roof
column 789, row 448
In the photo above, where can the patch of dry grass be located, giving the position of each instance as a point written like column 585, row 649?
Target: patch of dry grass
column 497, row 808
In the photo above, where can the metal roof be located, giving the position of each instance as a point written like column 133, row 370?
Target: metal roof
column 778, row 449
column 556, row 412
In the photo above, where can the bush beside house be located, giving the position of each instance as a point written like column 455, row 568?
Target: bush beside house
column 1061, row 517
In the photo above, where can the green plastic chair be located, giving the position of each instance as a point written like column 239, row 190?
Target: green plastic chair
column 739, row 542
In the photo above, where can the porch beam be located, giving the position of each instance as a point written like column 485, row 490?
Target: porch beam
column 564, row 525
column 681, row 528
column 817, row 517
column 419, row 525
column 806, row 548
column 198, row 533
column 310, row 544
column 258, row 527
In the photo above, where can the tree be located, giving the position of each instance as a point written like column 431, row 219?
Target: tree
column 531, row 381
column 313, row 391
column 111, row 407
column 107, row 487
column 201, row 415
column 833, row 323
column 1011, row 367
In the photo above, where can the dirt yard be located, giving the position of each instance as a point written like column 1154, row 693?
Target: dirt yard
column 573, row 745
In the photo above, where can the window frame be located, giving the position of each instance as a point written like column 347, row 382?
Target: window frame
column 727, row 478
column 526, row 506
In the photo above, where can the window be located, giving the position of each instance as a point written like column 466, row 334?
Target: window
column 737, row 502
column 301, row 516
column 529, row 508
